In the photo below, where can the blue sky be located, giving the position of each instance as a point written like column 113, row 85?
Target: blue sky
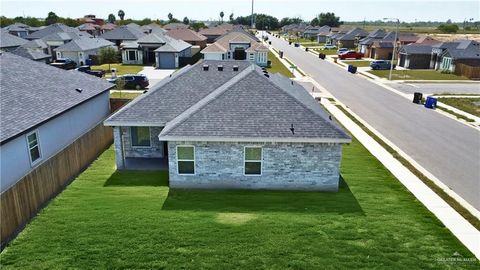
column 353, row 10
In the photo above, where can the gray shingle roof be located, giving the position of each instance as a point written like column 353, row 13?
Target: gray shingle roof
column 416, row 49
column 84, row 44
column 8, row 40
column 65, row 36
column 244, row 104
column 54, row 28
column 17, row 27
column 36, row 44
column 466, row 49
column 123, row 33
column 353, row 34
column 30, row 53
column 33, row 92
column 173, row 45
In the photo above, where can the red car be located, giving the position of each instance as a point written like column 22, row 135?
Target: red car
column 350, row 54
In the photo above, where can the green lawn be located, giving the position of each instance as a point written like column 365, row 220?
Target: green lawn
column 327, row 51
column 121, row 68
column 302, row 40
column 131, row 220
column 360, row 63
column 277, row 66
column 125, row 95
column 469, row 105
column 417, row 75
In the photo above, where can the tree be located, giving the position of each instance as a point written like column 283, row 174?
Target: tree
column 186, row 21
column 51, row 18
column 111, row 18
column 197, row 25
column 231, row 17
column 170, row 16
column 448, row 28
column 287, row 21
column 329, row 19
column 221, row 15
column 107, row 55
column 315, row 21
column 121, row 14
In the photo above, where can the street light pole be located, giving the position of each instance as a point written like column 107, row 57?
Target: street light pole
column 394, row 46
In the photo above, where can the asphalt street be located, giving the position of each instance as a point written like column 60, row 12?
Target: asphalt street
column 438, row 88
column 448, row 149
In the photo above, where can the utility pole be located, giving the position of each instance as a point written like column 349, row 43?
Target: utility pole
column 251, row 18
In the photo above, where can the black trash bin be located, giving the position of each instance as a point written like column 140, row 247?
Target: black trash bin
column 270, row 43
column 306, row 49
column 289, row 43
column 354, row 69
column 280, row 53
column 417, row 97
column 321, row 55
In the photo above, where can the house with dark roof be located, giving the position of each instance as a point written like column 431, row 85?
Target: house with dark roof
column 351, row 38
column 415, row 56
column 33, row 54
column 173, row 26
column 9, row 42
column 365, row 44
column 159, row 49
column 293, row 28
column 20, row 29
column 333, row 36
column 123, row 34
column 227, row 124
column 189, row 36
column 79, row 50
column 55, row 28
column 213, row 33
column 44, row 110
column 237, row 45
column 313, row 31
column 383, row 48
column 446, row 55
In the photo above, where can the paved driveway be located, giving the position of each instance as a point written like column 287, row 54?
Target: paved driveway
column 448, row 149
column 155, row 75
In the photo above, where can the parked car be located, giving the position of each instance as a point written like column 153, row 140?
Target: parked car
column 64, row 63
column 350, row 54
column 95, row 72
column 342, row 50
column 133, row 81
column 381, row 64
column 329, row 47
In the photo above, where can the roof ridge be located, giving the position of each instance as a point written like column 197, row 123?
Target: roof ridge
column 206, row 100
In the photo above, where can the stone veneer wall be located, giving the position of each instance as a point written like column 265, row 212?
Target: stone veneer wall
column 286, row 166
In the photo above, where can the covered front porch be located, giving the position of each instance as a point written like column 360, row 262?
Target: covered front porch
column 146, row 164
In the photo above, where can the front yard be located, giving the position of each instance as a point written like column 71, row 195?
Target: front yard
column 417, row 75
column 359, row 63
column 277, row 66
column 121, row 68
column 469, row 105
column 326, row 51
column 107, row 219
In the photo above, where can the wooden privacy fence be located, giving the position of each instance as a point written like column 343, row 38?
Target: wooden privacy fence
column 467, row 71
column 23, row 200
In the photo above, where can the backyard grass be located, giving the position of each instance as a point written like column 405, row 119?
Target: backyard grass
column 277, row 66
column 130, row 95
column 417, row 75
column 131, row 220
column 469, row 105
column 360, row 63
column 121, row 68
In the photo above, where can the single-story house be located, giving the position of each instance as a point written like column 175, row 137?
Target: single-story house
column 313, row 31
column 415, row 56
column 107, row 27
column 227, row 124
column 44, row 109
column 461, row 52
column 294, row 28
column 55, row 28
column 237, row 45
column 79, row 50
column 20, row 29
column 333, row 37
column 383, row 48
column 365, row 44
column 189, row 36
column 351, row 38
column 165, row 52
column 173, row 26
column 90, row 28
column 33, row 54
column 213, row 33
column 9, row 42
column 153, row 28
column 123, row 34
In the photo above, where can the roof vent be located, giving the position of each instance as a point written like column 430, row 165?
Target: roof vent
column 266, row 75
column 220, row 67
column 205, row 67
column 79, row 90
column 292, row 129
column 146, row 91
column 235, row 68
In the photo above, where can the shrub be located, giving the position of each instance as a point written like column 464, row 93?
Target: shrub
column 448, row 28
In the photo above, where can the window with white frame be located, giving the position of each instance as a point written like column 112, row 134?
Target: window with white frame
column 140, row 136
column 186, row 159
column 132, row 55
column 253, row 160
column 33, row 147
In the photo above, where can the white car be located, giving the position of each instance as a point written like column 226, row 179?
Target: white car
column 342, row 50
column 329, row 47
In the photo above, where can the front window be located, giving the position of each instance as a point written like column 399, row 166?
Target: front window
column 132, row 55
column 253, row 161
column 33, row 147
column 186, row 159
column 140, row 136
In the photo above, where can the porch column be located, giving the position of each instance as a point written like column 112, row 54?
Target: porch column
column 118, row 141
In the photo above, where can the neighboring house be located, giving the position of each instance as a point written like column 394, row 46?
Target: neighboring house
column 227, row 124
column 351, row 38
column 107, row 27
column 79, row 50
column 415, row 56
column 55, row 28
column 446, row 55
column 294, row 28
column 164, row 51
column 383, row 48
column 213, row 33
column 90, row 28
column 123, row 34
column 43, row 112
column 173, row 26
column 56, row 40
column 9, row 42
column 237, row 45
column 333, row 37
column 189, row 36
column 33, row 54
column 153, row 28
column 312, row 32
column 365, row 44
column 20, row 29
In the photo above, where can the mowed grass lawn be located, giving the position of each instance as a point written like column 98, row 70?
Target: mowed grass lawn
column 359, row 63
column 121, row 68
column 277, row 66
column 126, row 95
column 326, row 51
column 469, row 105
column 417, row 75
column 107, row 219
